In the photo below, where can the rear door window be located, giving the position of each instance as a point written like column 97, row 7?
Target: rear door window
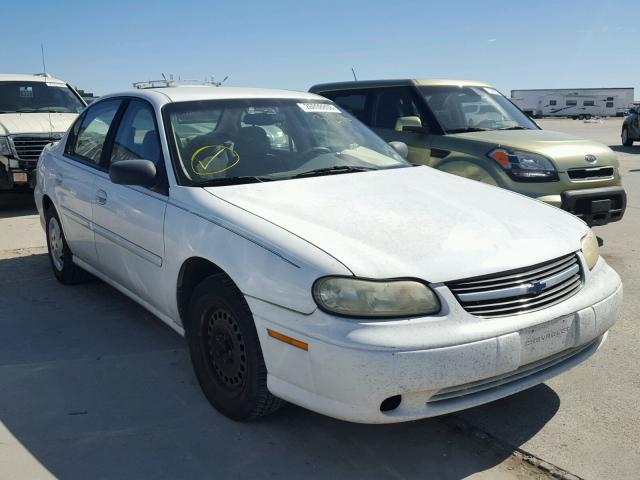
column 393, row 103
column 356, row 102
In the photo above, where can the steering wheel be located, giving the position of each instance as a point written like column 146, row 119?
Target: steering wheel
column 312, row 152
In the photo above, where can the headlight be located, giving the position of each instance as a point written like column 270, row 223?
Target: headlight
column 355, row 297
column 590, row 249
column 5, row 149
column 524, row 166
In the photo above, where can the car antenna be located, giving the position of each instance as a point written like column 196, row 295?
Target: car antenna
column 44, row 72
column 354, row 74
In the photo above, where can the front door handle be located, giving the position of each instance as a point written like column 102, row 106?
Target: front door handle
column 101, row 197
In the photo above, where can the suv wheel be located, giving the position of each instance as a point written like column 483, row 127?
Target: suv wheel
column 225, row 351
column 626, row 141
column 61, row 257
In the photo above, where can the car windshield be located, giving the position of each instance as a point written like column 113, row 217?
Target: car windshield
column 470, row 109
column 220, row 142
column 30, row 97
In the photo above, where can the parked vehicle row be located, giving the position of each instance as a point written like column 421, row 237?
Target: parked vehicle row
column 34, row 111
column 470, row 129
column 306, row 260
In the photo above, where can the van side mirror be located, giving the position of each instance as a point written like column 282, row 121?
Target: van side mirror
column 410, row 124
column 133, row 172
column 400, row 148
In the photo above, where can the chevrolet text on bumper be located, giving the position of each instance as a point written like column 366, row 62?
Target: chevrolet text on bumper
column 305, row 260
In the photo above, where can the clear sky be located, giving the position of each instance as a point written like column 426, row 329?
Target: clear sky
column 105, row 46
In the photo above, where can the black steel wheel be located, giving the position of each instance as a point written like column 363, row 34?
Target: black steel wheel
column 225, row 351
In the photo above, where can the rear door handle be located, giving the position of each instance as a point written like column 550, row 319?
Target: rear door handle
column 101, row 197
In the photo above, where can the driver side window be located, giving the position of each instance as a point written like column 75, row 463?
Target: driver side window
column 137, row 136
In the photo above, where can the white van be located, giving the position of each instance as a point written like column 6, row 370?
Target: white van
column 34, row 110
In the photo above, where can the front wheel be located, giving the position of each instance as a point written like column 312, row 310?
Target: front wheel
column 626, row 141
column 225, row 351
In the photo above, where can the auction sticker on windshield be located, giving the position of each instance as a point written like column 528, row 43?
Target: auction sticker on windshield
column 318, row 108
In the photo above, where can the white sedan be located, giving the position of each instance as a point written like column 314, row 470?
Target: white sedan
column 314, row 264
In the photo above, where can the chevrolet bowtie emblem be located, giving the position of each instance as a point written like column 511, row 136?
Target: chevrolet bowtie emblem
column 537, row 287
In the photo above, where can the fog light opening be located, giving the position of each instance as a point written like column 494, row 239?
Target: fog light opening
column 390, row 403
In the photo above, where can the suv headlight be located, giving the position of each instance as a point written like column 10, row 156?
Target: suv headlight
column 5, row 148
column 590, row 249
column 355, row 297
column 524, row 166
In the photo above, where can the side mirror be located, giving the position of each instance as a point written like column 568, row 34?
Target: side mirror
column 400, row 148
column 133, row 172
column 410, row 124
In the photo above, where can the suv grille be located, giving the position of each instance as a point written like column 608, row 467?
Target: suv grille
column 29, row 147
column 590, row 173
column 520, row 291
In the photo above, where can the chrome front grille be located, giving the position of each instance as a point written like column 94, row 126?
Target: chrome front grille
column 520, row 291
column 29, row 147
column 592, row 173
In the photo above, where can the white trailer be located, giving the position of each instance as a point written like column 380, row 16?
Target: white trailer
column 575, row 103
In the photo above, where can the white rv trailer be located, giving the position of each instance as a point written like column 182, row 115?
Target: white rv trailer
column 575, row 102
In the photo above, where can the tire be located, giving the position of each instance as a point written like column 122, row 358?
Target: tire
column 67, row 272
column 225, row 351
column 580, row 117
column 626, row 141
column 587, row 117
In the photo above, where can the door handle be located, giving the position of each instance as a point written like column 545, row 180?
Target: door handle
column 101, row 197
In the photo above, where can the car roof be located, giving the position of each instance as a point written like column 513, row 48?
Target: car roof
column 15, row 77
column 165, row 95
column 325, row 87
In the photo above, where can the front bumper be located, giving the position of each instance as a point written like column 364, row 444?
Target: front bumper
column 22, row 176
column 350, row 370
column 596, row 206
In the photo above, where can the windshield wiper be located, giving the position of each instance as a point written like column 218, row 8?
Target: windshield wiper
column 469, row 129
column 517, row 127
column 25, row 110
column 332, row 170
column 233, row 181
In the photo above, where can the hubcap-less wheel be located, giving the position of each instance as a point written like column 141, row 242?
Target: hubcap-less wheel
column 56, row 243
column 625, row 136
column 226, row 349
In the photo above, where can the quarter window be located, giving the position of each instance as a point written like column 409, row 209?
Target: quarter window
column 89, row 139
column 355, row 104
column 137, row 136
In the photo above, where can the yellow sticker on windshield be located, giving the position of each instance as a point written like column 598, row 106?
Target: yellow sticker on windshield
column 213, row 159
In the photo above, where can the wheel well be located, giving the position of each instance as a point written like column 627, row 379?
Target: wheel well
column 192, row 272
column 46, row 203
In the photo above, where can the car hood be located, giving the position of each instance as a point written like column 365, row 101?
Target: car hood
column 16, row 123
column 565, row 150
column 412, row 222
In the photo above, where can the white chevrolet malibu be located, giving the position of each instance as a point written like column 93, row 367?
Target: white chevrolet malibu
column 305, row 260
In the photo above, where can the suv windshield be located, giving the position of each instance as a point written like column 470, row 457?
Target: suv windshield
column 472, row 109
column 221, row 142
column 29, row 97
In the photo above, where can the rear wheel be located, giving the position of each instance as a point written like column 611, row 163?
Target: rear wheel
column 225, row 351
column 580, row 117
column 61, row 257
column 626, row 141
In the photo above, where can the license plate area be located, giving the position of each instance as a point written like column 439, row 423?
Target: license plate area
column 547, row 339
column 20, row 177
column 601, row 206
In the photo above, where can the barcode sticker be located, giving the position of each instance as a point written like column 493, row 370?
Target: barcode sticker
column 318, row 108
